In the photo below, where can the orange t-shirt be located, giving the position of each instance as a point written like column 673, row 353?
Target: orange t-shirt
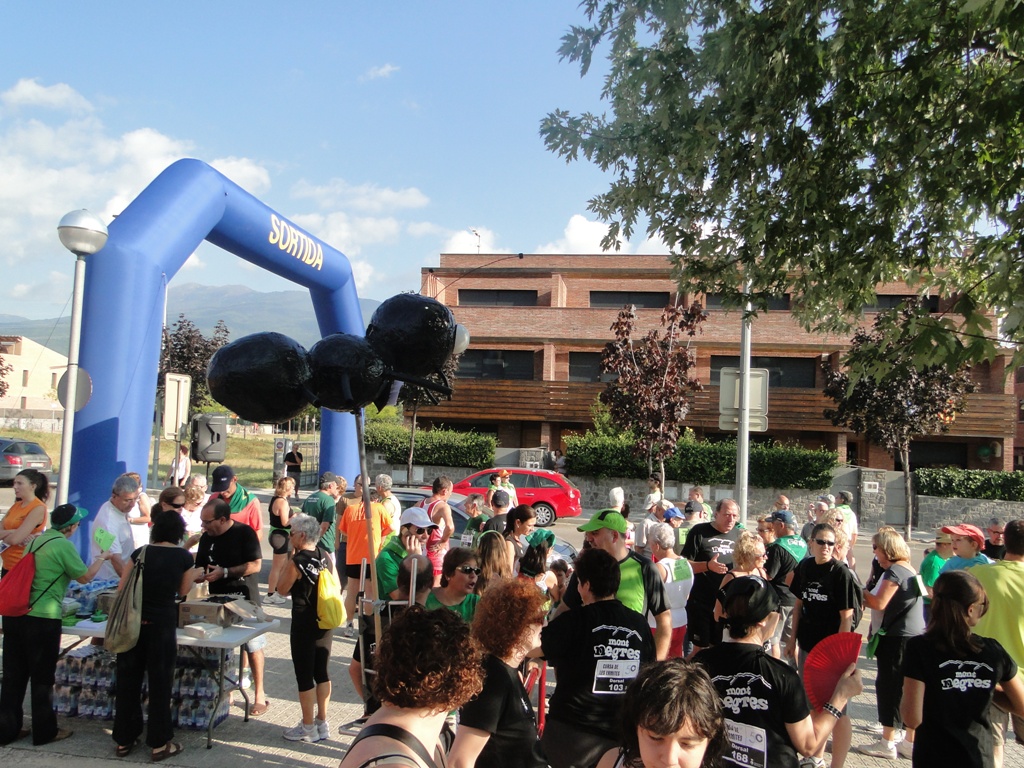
column 15, row 517
column 353, row 525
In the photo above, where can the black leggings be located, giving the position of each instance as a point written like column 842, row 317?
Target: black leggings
column 311, row 651
column 889, row 683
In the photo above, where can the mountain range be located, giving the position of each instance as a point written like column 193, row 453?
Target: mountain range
column 242, row 309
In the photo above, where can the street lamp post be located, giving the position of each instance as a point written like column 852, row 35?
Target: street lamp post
column 82, row 233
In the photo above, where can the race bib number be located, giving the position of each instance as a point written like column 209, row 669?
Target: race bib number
column 749, row 745
column 614, row 676
column 467, row 539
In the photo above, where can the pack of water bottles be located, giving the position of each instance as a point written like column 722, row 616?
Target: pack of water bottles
column 85, row 679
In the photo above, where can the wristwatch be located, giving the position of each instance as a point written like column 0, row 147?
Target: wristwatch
column 225, row 573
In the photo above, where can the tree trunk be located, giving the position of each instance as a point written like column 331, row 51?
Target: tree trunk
column 908, row 490
column 412, row 443
column 661, row 476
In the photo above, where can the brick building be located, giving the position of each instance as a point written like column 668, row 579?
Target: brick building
column 539, row 322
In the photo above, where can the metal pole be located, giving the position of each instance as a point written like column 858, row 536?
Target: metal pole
column 743, row 431
column 71, row 401
column 371, row 537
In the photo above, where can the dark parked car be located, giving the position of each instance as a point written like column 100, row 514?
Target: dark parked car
column 411, row 496
column 16, row 455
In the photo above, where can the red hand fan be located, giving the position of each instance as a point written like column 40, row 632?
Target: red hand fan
column 826, row 663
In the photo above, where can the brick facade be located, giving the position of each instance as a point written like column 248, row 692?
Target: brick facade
column 528, row 414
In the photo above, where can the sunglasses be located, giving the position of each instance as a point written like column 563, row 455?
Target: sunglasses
column 418, row 531
column 825, row 542
column 175, row 506
column 467, row 569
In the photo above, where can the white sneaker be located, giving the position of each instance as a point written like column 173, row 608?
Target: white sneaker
column 246, row 679
column 812, row 762
column 274, row 599
column 302, row 732
column 875, row 729
column 323, row 729
column 905, row 749
column 881, row 748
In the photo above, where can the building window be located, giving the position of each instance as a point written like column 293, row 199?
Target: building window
column 891, row 301
column 774, row 303
column 619, row 299
column 53, row 381
column 24, row 378
column 495, row 364
column 584, row 366
column 795, row 372
column 478, row 297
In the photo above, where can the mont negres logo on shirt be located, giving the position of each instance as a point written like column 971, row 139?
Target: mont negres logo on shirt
column 738, row 694
column 295, row 243
column 966, row 679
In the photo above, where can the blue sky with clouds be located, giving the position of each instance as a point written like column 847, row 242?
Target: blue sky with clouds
column 388, row 129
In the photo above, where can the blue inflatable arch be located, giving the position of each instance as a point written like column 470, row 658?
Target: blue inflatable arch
column 123, row 312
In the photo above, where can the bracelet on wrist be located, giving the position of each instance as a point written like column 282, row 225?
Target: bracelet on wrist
column 832, row 710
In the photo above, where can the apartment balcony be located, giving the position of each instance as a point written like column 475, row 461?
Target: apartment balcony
column 799, row 410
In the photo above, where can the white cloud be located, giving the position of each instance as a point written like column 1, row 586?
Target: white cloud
column 29, row 93
column 194, row 262
column 425, row 229
column 369, row 198
column 20, row 291
column 465, row 241
column 378, row 73
column 246, row 173
column 580, row 236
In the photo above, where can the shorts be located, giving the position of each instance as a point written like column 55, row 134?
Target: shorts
column 256, row 644
column 700, row 625
column 675, row 646
column 280, row 541
column 357, row 571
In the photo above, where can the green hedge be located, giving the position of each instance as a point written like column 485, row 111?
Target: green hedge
column 703, row 463
column 437, row 447
column 970, row 484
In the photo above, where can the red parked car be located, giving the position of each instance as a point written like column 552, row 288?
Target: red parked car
column 550, row 494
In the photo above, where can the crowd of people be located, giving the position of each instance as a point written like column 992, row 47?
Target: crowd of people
column 678, row 639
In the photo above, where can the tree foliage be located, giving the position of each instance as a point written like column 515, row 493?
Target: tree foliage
column 186, row 350
column 649, row 397
column 816, row 148
column 885, row 396
column 5, row 368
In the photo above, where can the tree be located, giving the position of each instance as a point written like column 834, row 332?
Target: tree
column 883, row 395
column 817, row 149
column 5, row 368
column 187, row 351
column 649, row 397
column 411, row 396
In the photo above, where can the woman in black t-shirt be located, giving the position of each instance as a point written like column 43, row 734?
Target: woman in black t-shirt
column 497, row 728
column 950, row 678
column 764, row 701
column 310, row 645
column 167, row 573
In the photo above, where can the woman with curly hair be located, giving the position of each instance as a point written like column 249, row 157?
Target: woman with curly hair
column 495, row 564
column 427, row 665
column 671, row 716
column 497, row 728
column 748, row 559
column 459, row 572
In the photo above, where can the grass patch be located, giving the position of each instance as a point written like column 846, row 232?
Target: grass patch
column 251, row 456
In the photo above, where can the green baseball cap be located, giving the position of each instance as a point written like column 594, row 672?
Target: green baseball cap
column 605, row 518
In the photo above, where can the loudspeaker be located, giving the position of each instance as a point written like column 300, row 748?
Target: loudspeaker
column 209, row 437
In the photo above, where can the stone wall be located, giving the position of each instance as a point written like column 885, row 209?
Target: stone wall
column 933, row 512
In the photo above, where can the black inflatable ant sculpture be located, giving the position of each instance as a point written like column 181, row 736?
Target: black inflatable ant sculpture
column 270, row 378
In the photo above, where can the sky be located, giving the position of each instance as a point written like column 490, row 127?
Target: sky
column 390, row 130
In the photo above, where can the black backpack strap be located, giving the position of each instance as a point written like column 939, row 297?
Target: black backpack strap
column 398, row 734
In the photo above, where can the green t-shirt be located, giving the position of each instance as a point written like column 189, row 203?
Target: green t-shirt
column 466, row 609
column 1003, row 581
column 323, row 507
column 391, row 556
column 57, row 563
